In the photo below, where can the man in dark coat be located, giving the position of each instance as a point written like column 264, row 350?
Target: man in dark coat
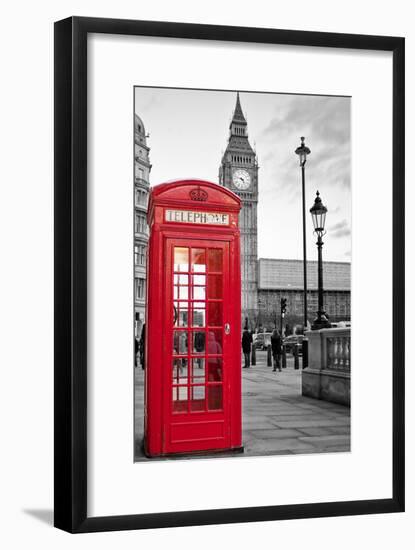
column 246, row 347
column 276, row 343
column 136, row 350
column 142, row 346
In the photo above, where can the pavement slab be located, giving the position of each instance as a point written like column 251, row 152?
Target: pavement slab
column 327, row 440
column 317, row 430
column 274, row 433
column 309, row 423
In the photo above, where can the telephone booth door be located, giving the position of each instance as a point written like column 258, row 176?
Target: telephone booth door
column 197, row 346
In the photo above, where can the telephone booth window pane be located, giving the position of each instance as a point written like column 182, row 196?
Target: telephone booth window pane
column 215, row 286
column 180, row 314
column 181, row 279
column 199, row 280
column 197, row 400
column 180, row 371
column 215, row 369
column 183, row 292
column 198, row 370
column 214, row 345
column 215, row 259
column 199, row 293
column 199, row 314
column 183, row 316
column 181, row 259
column 179, row 342
column 198, row 260
column 198, row 342
column 215, row 397
column 215, row 313
column 179, row 399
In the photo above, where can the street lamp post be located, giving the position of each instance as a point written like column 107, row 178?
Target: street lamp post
column 318, row 214
column 302, row 153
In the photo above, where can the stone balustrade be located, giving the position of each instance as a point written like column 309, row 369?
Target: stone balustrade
column 328, row 373
column 337, row 350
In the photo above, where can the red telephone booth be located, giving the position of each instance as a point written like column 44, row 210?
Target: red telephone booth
column 193, row 324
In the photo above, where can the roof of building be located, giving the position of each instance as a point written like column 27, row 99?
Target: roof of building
column 139, row 126
column 240, row 144
column 274, row 274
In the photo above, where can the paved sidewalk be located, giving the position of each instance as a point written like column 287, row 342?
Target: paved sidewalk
column 277, row 419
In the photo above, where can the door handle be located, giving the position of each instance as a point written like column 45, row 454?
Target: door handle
column 227, row 328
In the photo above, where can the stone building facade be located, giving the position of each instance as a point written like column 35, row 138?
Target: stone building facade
column 142, row 169
column 239, row 172
column 279, row 278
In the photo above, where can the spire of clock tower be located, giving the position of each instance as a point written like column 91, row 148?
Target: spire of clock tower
column 238, row 116
column 238, row 132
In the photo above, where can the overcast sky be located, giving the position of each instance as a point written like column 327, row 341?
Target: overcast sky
column 188, row 134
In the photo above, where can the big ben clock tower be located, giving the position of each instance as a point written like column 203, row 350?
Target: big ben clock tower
column 239, row 173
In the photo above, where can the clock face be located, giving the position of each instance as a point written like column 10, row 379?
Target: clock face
column 241, row 179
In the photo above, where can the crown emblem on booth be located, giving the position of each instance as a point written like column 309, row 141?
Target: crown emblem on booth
column 198, row 194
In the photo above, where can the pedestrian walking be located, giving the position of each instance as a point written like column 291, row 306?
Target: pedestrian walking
column 136, row 350
column 276, row 343
column 142, row 345
column 246, row 347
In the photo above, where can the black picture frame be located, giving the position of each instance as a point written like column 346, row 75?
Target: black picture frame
column 70, row 173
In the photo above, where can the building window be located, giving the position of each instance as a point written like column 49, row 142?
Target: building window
column 140, row 254
column 140, row 223
column 139, row 288
column 139, row 172
column 141, row 197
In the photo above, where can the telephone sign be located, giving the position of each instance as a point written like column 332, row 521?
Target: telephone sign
column 190, row 216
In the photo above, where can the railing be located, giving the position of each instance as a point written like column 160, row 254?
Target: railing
column 328, row 373
column 329, row 349
column 336, row 343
